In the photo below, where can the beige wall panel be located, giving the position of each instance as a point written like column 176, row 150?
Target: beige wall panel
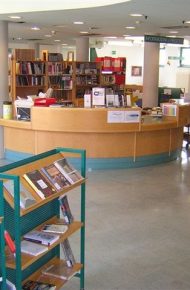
column 176, row 138
column 184, row 115
column 149, row 143
column 97, row 145
column 19, row 140
column 77, row 120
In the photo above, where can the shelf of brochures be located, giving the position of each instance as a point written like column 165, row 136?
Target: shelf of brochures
column 18, row 221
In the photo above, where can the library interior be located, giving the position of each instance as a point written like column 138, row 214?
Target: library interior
column 94, row 145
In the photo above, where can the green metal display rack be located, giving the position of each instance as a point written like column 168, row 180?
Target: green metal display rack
column 18, row 225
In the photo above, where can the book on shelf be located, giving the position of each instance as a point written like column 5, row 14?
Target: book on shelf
column 33, row 249
column 39, row 183
column 59, row 270
column 65, row 209
column 55, row 177
column 37, row 285
column 68, row 253
column 26, row 198
column 41, row 237
column 68, row 170
column 55, row 228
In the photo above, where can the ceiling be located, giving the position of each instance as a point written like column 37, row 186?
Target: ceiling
column 159, row 17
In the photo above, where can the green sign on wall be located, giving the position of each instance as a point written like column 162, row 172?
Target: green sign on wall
column 163, row 39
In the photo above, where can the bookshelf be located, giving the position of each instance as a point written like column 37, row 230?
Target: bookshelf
column 19, row 221
column 68, row 79
column 112, row 72
column 85, row 76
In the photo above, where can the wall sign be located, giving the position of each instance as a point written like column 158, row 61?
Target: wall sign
column 163, row 39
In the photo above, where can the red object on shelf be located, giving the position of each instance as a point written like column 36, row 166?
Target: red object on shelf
column 119, row 79
column 119, row 64
column 45, row 102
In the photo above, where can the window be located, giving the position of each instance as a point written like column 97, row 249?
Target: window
column 185, row 56
column 162, row 60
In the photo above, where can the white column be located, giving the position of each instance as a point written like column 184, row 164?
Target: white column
column 151, row 74
column 4, row 90
column 82, row 49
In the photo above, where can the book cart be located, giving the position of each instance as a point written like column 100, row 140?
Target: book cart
column 18, row 221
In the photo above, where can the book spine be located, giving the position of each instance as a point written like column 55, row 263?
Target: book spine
column 65, row 216
column 34, row 187
column 66, row 209
column 69, row 257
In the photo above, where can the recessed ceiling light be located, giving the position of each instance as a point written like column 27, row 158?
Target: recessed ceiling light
column 136, row 14
column 112, row 37
column 78, row 22
column 35, row 28
column 64, row 44
column 15, row 17
column 130, row 27
column 57, row 40
column 48, row 35
column 174, row 31
column 84, row 32
column 19, row 38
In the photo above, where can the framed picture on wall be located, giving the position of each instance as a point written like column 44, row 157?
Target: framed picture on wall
column 136, row 71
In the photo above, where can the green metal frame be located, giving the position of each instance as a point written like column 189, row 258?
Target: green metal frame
column 2, row 241
column 17, row 231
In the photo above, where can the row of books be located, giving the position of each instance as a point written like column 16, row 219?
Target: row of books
column 64, row 82
column 55, row 68
column 30, row 68
column 30, row 81
column 87, row 80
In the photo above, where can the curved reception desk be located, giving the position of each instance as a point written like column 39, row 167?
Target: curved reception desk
column 112, row 137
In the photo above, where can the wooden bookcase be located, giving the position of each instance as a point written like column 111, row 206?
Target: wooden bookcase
column 68, row 79
column 113, row 72
column 85, row 76
column 18, row 221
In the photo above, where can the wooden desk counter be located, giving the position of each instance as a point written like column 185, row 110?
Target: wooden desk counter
column 107, row 143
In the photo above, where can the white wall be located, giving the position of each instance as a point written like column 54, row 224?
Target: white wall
column 170, row 75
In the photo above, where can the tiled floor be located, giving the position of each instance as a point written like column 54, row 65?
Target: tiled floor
column 137, row 228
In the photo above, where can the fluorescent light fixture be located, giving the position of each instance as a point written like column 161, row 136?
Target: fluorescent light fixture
column 19, row 38
column 57, row 40
column 78, row 22
column 174, row 31
column 35, row 28
column 64, row 44
column 48, row 35
column 136, row 14
column 187, row 22
column 130, row 27
column 84, row 32
column 111, row 37
column 15, row 17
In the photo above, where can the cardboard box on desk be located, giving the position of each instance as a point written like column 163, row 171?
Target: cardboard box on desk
column 23, row 108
